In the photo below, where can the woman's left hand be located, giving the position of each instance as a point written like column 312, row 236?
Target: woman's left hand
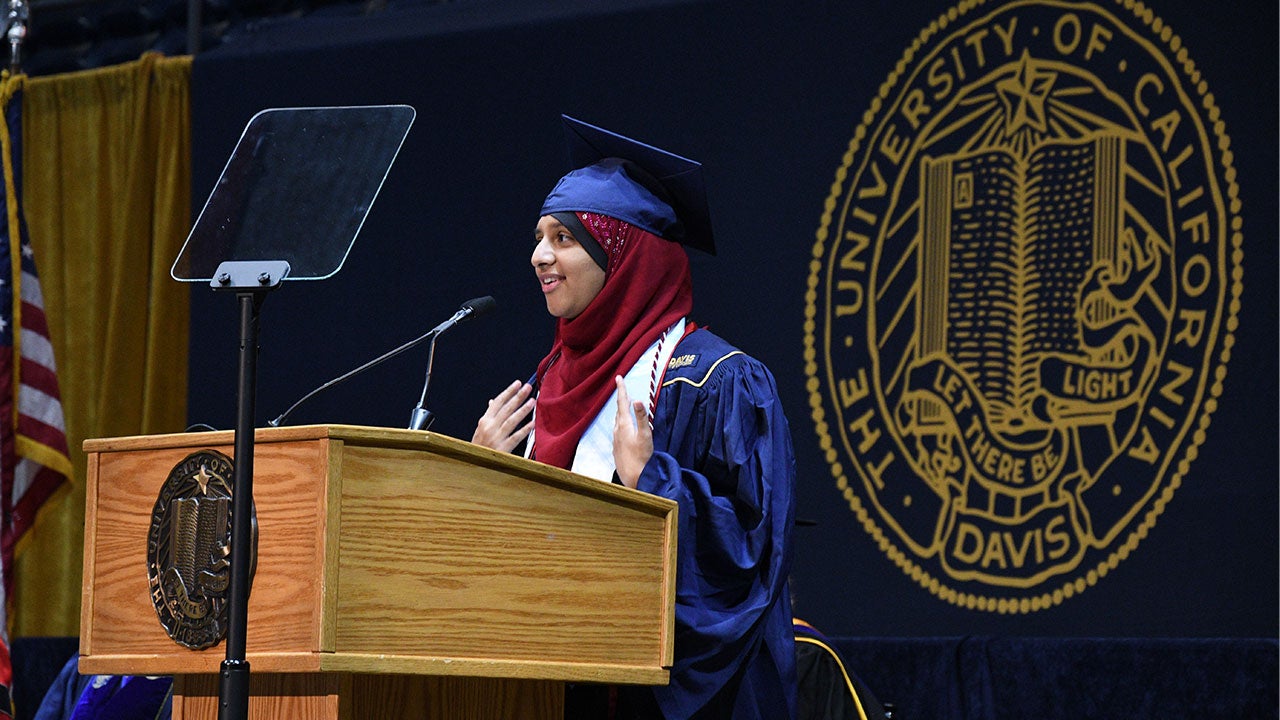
column 632, row 437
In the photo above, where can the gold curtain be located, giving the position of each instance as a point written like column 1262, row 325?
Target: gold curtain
column 106, row 192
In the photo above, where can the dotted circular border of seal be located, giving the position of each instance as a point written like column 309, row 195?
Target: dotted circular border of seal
column 1078, row 585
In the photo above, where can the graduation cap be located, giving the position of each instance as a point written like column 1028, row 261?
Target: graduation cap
column 650, row 188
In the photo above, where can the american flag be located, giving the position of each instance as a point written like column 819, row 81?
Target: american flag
column 33, row 437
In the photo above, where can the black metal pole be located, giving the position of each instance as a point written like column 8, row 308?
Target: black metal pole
column 233, row 683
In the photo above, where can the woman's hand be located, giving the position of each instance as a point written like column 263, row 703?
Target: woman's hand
column 632, row 437
column 503, row 426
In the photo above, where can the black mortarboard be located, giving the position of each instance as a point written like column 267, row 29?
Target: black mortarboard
column 648, row 187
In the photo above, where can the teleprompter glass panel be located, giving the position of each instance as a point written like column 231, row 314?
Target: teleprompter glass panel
column 297, row 188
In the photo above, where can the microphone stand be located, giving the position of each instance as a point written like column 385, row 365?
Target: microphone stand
column 251, row 281
column 432, row 333
column 421, row 418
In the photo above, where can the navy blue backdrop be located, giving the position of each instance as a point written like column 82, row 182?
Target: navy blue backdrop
column 768, row 95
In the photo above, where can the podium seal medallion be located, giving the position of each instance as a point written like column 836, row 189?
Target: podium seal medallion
column 189, row 550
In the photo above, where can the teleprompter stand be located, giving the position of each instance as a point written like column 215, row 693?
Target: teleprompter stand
column 288, row 206
column 250, row 281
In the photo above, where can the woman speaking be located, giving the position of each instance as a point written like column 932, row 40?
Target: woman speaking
column 632, row 391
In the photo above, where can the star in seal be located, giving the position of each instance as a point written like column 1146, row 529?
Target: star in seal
column 203, row 478
column 1024, row 96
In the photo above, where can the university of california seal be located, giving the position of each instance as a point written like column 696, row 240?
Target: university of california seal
column 189, row 550
column 1022, row 296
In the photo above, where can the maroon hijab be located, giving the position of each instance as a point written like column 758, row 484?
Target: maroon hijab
column 647, row 287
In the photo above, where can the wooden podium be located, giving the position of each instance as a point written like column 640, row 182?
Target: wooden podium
column 399, row 574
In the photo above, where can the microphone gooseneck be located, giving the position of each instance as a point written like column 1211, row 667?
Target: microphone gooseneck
column 421, row 418
column 470, row 308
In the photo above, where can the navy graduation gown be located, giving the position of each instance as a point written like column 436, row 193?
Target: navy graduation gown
column 722, row 450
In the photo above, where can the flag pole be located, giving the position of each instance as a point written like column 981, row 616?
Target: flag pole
column 16, row 20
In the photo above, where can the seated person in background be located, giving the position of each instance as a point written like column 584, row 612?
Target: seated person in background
column 633, row 392
column 828, row 689
column 73, row 696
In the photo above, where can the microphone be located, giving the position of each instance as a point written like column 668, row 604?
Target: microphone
column 469, row 308
column 421, row 418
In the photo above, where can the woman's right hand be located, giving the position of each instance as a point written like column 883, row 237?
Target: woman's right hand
column 507, row 422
